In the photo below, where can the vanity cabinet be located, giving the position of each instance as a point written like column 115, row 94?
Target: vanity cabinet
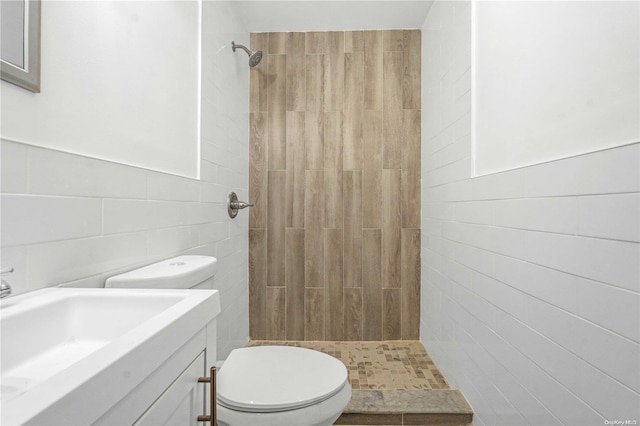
column 182, row 402
column 107, row 357
column 171, row 395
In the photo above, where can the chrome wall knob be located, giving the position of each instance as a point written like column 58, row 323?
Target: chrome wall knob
column 5, row 288
column 233, row 205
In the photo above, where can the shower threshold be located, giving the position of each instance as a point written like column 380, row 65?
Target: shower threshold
column 393, row 383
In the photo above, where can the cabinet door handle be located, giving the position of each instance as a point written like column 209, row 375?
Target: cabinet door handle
column 213, row 418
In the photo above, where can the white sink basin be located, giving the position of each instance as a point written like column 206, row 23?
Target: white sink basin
column 59, row 343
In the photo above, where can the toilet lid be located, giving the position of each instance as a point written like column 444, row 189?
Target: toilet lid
column 278, row 378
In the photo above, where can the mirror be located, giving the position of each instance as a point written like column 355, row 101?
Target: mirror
column 20, row 43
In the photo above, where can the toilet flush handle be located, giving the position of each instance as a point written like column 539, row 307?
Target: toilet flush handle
column 213, row 417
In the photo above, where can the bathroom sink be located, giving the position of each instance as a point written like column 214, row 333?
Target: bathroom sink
column 59, row 345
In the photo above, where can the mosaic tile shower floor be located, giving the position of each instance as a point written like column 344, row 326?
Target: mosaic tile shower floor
column 393, row 383
column 386, row 365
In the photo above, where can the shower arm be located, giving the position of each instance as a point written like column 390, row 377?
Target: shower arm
column 234, row 46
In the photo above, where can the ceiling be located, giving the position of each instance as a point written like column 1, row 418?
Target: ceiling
column 332, row 15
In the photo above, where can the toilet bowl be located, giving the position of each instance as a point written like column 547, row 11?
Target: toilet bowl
column 281, row 385
column 263, row 385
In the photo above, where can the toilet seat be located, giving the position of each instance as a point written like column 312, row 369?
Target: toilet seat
column 266, row 379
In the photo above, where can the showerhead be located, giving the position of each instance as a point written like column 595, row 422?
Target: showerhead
column 254, row 57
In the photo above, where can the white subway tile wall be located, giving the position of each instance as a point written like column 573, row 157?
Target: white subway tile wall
column 74, row 221
column 531, row 277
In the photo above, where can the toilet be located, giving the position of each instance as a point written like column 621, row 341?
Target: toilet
column 281, row 385
column 262, row 385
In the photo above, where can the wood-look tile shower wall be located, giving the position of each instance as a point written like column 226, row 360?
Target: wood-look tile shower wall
column 334, row 238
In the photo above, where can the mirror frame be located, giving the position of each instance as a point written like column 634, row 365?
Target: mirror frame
column 29, row 76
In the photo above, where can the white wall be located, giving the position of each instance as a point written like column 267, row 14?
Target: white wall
column 73, row 220
column 119, row 81
column 530, row 277
column 332, row 15
column 568, row 83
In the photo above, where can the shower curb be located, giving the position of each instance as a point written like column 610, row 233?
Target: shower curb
column 407, row 407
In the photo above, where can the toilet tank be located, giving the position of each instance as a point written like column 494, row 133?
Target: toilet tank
column 189, row 271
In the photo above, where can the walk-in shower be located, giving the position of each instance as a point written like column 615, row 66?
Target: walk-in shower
column 254, row 57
